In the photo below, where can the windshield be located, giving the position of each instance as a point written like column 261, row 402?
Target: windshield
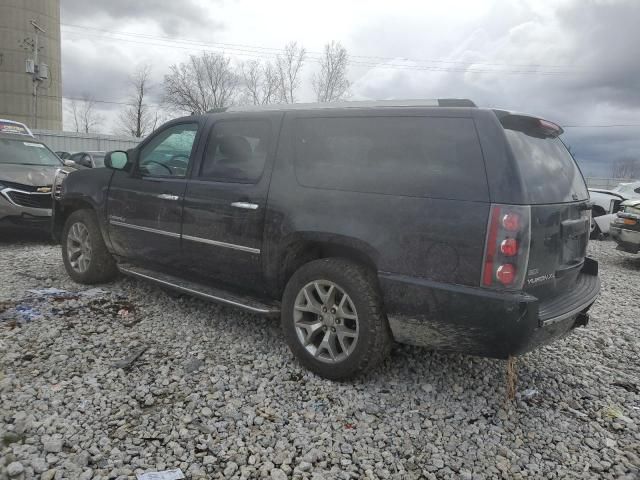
column 26, row 153
column 549, row 172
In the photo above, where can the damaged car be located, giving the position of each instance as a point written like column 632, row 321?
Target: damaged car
column 430, row 222
column 606, row 204
column 625, row 228
column 27, row 170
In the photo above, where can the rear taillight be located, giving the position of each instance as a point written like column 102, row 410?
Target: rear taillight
column 506, row 251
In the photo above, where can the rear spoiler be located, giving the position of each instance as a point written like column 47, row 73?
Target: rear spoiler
column 529, row 124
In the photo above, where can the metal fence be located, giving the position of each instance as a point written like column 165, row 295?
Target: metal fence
column 78, row 142
column 606, row 183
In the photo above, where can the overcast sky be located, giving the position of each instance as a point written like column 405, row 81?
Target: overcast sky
column 575, row 62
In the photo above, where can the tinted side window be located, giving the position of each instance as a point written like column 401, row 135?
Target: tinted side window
column 168, row 153
column 413, row 156
column 236, row 151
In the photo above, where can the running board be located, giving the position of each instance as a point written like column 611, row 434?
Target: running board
column 199, row 290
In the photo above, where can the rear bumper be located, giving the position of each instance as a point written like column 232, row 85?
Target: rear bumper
column 482, row 322
column 627, row 240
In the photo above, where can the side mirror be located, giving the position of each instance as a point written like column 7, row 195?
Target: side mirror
column 116, row 160
column 70, row 163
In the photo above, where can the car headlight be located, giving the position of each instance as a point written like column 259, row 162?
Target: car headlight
column 58, row 181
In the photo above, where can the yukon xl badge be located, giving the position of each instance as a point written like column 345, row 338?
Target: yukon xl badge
column 541, row 279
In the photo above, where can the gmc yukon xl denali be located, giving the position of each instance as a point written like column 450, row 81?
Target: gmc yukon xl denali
column 432, row 223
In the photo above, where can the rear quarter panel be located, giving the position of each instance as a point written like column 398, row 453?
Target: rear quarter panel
column 434, row 238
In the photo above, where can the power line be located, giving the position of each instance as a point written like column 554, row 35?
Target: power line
column 621, row 125
column 281, row 50
column 271, row 53
column 116, row 102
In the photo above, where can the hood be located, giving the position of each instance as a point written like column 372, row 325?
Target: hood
column 33, row 175
column 607, row 192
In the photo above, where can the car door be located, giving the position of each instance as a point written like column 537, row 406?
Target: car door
column 224, row 206
column 145, row 206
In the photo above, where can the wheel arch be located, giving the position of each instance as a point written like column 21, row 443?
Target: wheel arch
column 302, row 248
column 63, row 209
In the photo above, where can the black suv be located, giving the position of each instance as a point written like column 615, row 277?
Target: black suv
column 433, row 223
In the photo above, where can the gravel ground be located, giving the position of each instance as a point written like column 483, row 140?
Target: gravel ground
column 216, row 392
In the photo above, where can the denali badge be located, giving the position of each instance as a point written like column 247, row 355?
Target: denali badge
column 540, row 279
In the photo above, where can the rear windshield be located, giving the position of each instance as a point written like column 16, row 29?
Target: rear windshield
column 548, row 170
column 24, row 152
column 412, row 156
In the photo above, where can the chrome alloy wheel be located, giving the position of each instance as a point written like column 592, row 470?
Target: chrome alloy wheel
column 79, row 247
column 326, row 321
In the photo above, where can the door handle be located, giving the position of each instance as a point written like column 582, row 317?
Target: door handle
column 245, row 205
column 168, row 196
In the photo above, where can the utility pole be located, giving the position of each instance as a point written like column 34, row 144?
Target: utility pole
column 38, row 72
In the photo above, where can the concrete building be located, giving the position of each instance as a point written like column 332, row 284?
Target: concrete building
column 17, row 36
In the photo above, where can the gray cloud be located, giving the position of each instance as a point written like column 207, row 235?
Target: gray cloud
column 101, row 74
column 594, row 42
column 173, row 17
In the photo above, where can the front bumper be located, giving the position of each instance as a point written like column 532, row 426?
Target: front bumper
column 628, row 240
column 17, row 214
column 482, row 322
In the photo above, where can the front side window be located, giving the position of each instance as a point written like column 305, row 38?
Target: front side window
column 236, row 151
column 169, row 152
column 25, row 152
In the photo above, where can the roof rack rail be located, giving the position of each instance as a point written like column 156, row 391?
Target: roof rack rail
column 442, row 102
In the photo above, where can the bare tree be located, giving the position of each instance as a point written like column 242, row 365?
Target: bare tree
column 138, row 118
column 203, row 83
column 261, row 82
column 331, row 83
column 84, row 115
column 288, row 67
column 626, row 167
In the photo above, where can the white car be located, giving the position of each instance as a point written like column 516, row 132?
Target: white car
column 606, row 204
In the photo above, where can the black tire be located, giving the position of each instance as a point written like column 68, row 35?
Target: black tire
column 102, row 266
column 360, row 284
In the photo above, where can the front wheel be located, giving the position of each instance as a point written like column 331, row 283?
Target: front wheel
column 84, row 253
column 333, row 320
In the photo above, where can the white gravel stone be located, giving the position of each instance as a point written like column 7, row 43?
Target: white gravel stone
column 217, row 393
column 39, row 465
column 277, row 474
column 16, row 468
column 53, row 445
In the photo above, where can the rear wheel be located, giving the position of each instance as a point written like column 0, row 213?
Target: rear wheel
column 84, row 253
column 333, row 320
